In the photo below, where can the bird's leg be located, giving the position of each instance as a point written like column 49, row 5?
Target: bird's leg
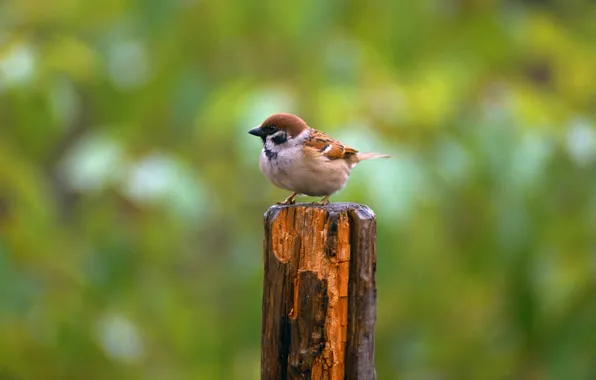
column 289, row 200
column 323, row 202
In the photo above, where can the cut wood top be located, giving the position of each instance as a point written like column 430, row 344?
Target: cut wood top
column 363, row 211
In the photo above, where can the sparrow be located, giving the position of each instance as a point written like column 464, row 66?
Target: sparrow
column 303, row 160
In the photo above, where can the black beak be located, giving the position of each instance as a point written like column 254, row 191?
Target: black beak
column 257, row 132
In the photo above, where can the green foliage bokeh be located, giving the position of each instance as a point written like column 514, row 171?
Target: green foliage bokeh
column 131, row 202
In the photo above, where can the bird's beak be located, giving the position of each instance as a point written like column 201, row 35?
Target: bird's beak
column 256, row 132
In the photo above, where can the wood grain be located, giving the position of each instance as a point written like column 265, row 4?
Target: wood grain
column 319, row 297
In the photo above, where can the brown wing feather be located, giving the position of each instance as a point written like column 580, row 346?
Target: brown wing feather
column 319, row 143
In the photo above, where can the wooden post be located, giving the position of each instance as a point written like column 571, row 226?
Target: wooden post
column 319, row 295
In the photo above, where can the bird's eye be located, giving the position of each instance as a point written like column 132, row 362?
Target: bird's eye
column 270, row 129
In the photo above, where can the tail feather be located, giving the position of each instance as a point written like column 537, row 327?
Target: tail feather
column 371, row 156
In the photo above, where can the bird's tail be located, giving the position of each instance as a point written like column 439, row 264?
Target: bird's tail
column 371, row 156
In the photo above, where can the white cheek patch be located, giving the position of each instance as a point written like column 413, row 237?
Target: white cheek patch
column 291, row 142
column 327, row 148
column 279, row 139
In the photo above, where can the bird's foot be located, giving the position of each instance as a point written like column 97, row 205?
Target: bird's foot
column 323, row 202
column 288, row 201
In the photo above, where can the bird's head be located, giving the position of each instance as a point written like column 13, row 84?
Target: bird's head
column 278, row 128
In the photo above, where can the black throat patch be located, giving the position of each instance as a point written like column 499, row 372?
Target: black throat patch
column 270, row 154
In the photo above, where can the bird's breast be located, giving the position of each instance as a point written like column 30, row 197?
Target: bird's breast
column 293, row 171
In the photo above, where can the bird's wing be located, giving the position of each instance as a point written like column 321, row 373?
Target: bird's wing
column 319, row 144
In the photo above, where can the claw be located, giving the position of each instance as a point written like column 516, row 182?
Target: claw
column 323, row 202
column 288, row 201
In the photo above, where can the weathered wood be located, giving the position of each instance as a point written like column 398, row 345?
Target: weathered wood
column 319, row 296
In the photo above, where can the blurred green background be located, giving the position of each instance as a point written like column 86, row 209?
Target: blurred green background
column 131, row 201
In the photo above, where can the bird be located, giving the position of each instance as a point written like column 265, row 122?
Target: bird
column 303, row 160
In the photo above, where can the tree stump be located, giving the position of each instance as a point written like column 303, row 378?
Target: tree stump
column 319, row 295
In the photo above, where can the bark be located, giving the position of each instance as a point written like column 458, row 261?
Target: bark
column 319, row 296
